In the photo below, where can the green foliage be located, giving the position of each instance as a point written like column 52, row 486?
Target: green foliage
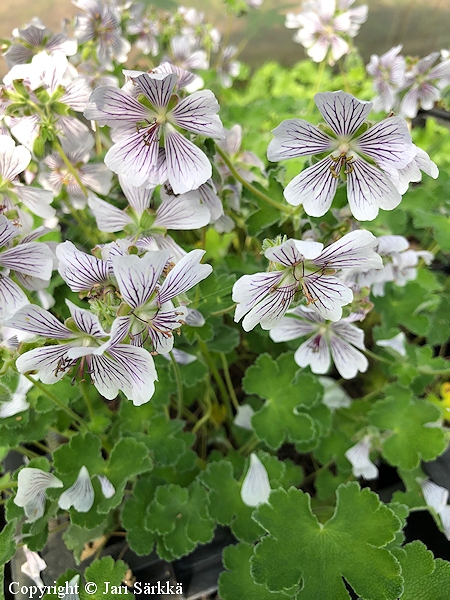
column 100, row 571
column 424, row 577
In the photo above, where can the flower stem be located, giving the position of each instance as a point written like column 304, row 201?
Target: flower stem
column 215, row 373
column 226, row 372
column 57, row 401
column 85, row 395
column 320, row 73
column 179, row 385
column 248, row 185
column 378, row 357
column 69, row 166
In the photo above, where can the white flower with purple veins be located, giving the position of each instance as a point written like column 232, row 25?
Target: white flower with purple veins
column 424, row 80
column 101, row 25
column 55, row 176
column 18, row 401
column 228, row 67
column 153, row 313
column 322, row 27
column 413, row 171
column 30, row 262
column 202, row 33
column 53, row 73
column 299, row 268
column 139, row 129
column 111, row 365
column 145, row 29
column 34, row 38
column 184, row 53
column 359, row 457
column 388, row 72
column 341, row 338
column 13, row 161
column 349, row 149
column 82, row 272
column 32, row 485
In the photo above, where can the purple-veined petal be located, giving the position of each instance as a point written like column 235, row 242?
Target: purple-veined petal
column 369, row 189
column 138, row 366
column 349, row 332
column 358, row 455
column 158, row 87
column 108, row 489
column 388, row 244
column 295, row 137
column 80, row 271
column 308, row 249
column 388, row 143
column 80, row 495
column 397, row 343
column 285, row 254
column 291, row 328
column 187, row 166
column 11, row 297
column 137, row 277
column 315, row 188
column 315, row 353
column 355, row 250
column 182, row 212
column 38, row 321
column 181, row 357
column 36, row 199
column 197, row 113
column 436, row 496
column 86, row 321
column 256, row 486
column 250, row 289
column 270, row 309
column 343, row 112
column 7, row 231
column 32, row 259
column 13, row 159
column 119, row 330
column 347, row 359
column 31, row 482
column 185, row 274
column 110, row 106
column 339, row 47
column 25, row 129
column 194, row 318
column 77, row 94
column 136, row 155
column 162, row 325
column 327, row 295
column 51, row 362
column 109, row 218
column 211, row 200
column 165, row 242
column 139, row 198
column 184, row 77
column 425, row 164
column 97, row 177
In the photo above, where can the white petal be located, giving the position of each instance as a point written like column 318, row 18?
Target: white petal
column 139, row 198
column 109, row 218
column 108, row 489
column 110, row 106
column 285, row 254
column 343, row 112
column 435, row 496
column 349, row 332
column 34, row 259
column 138, row 367
column 80, row 271
column 32, row 482
column 194, row 318
column 397, row 343
column 388, row 143
column 33, row 566
column 138, row 276
column 197, row 113
column 315, row 353
column 186, row 273
column 244, row 416
column 50, row 362
column 425, row 164
column 368, row 190
column 315, row 188
column 347, row 359
column 80, row 495
column 355, row 250
column 256, row 486
column 17, row 404
column 328, row 295
column 182, row 212
column 358, row 455
column 181, row 357
column 37, row 200
column 7, row 231
column 158, row 87
column 211, row 200
column 37, row 320
column 291, row 328
column 86, row 321
column 270, row 309
column 11, row 297
column 309, row 249
column 295, row 137
column 388, row 244
column 13, row 159
column 187, row 166
column 334, row 396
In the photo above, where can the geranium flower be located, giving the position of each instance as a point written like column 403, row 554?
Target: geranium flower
column 340, row 339
column 436, row 498
column 228, row 68
column 388, row 72
column 152, row 311
column 32, row 485
column 31, row 262
column 33, row 567
column 32, row 39
column 111, row 365
column 359, row 457
column 145, row 29
column 18, row 402
column 80, row 495
column 138, row 130
column 423, row 82
column 349, row 149
column 300, row 268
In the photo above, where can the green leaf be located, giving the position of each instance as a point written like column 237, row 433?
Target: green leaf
column 237, row 581
column 440, row 225
column 300, row 551
column 76, row 537
column 289, row 394
column 7, row 551
column 225, row 339
column 215, row 292
column 180, row 517
column 410, row 440
column 101, row 571
column 424, row 577
column 134, row 513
